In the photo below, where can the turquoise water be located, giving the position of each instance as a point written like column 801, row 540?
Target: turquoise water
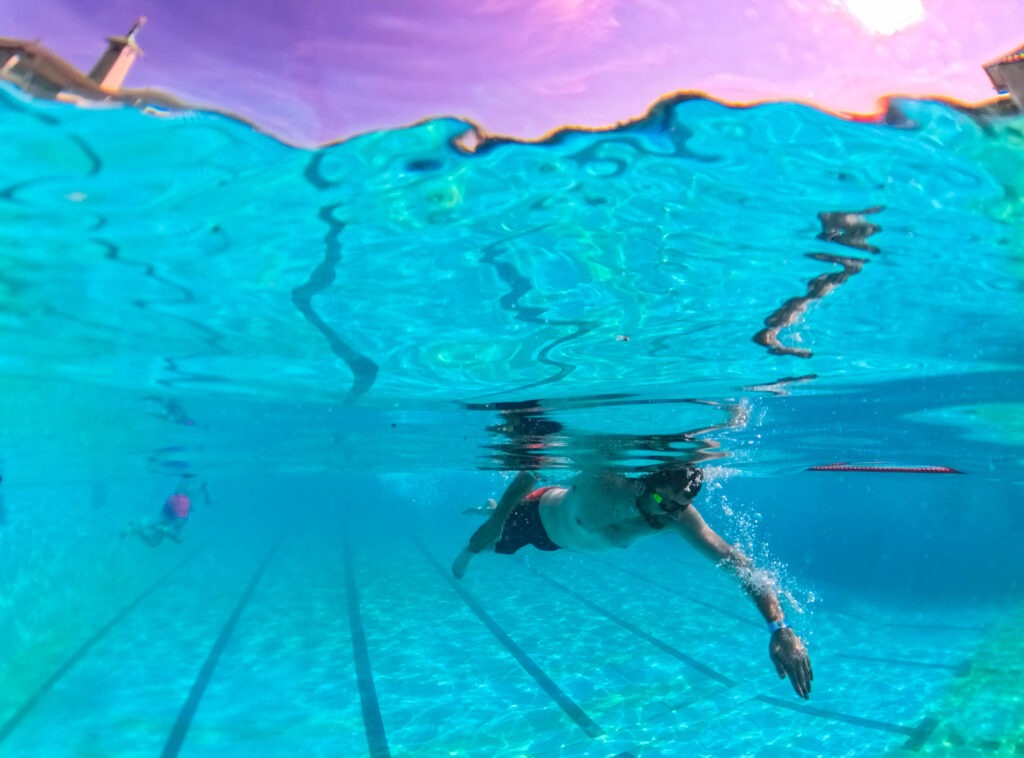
column 354, row 345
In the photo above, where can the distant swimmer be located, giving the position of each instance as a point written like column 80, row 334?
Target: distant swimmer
column 173, row 410
column 607, row 509
column 174, row 515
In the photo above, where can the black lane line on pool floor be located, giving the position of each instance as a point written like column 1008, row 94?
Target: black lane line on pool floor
column 959, row 670
column 571, row 709
column 12, row 722
column 923, row 627
column 668, row 588
column 916, row 735
column 373, row 722
column 990, row 745
column 188, row 708
column 664, row 646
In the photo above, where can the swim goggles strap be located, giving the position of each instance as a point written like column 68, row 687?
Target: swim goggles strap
column 774, row 626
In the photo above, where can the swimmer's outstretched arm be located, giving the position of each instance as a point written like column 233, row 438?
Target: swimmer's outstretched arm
column 150, row 533
column 786, row 650
column 490, row 531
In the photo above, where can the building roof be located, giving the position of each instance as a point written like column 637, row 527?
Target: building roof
column 1006, row 72
column 48, row 64
column 1017, row 56
column 68, row 78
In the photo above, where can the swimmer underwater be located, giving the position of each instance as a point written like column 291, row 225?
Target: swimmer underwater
column 605, row 510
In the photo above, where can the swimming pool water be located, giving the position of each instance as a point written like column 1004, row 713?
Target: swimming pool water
column 355, row 344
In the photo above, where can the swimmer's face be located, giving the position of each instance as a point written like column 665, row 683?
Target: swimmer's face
column 671, row 499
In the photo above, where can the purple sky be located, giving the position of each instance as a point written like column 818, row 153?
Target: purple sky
column 312, row 71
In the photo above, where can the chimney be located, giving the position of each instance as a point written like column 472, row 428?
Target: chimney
column 111, row 69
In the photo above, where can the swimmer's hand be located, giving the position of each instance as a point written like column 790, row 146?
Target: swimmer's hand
column 790, row 657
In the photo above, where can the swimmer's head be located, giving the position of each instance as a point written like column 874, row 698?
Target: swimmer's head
column 674, row 486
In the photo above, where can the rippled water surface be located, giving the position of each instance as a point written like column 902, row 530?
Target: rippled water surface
column 377, row 327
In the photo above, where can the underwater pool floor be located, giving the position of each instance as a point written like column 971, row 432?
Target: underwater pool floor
column 341, row 644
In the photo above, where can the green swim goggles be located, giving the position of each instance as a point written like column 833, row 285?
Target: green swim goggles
column 674, row 507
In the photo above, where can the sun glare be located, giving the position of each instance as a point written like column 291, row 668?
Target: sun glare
column 886, row 16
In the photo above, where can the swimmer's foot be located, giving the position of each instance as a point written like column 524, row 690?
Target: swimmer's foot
column 461, row 562
column 484, row 510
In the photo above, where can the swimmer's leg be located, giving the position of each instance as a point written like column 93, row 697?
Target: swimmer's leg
column 175, row 532
column 490, row 531
column 151, row 534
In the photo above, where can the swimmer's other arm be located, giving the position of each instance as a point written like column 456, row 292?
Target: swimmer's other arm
column 786, row 650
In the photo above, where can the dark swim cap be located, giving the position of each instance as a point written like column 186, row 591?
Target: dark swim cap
column 689, row 479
